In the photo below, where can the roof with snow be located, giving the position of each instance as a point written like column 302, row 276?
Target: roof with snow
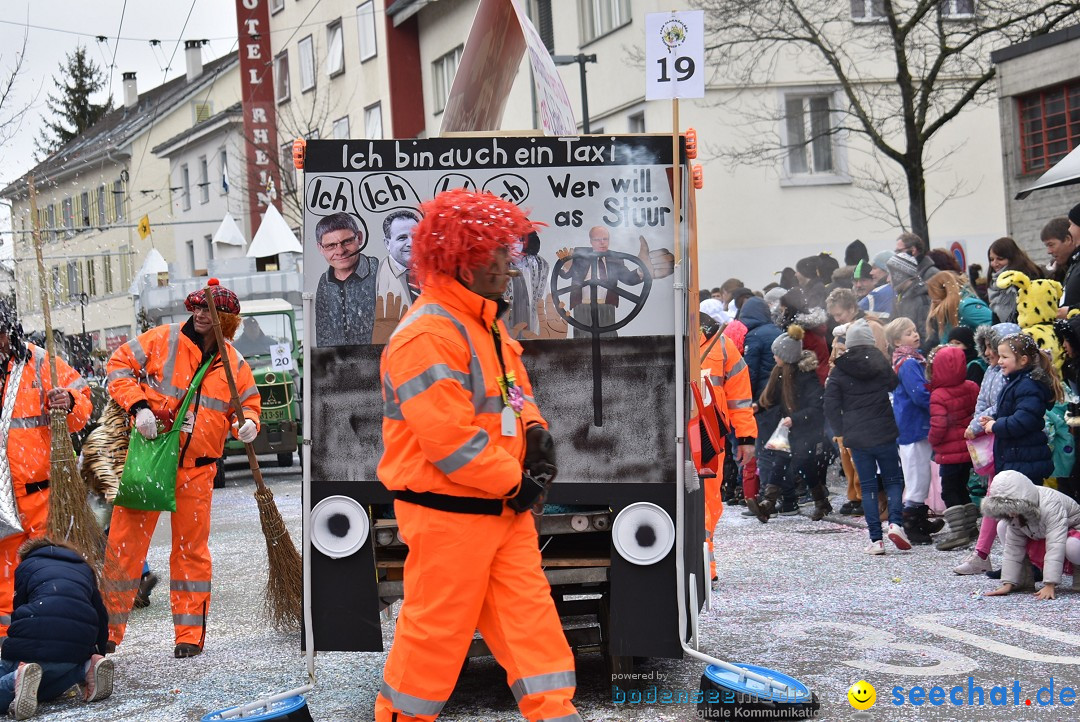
column 118, row 127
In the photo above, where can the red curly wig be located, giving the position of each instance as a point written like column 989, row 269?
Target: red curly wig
column 460, row 231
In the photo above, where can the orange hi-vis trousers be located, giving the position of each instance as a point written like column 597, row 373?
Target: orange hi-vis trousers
column 34, row 514
column 466, row 572
column 714, row 506
column 189, row 564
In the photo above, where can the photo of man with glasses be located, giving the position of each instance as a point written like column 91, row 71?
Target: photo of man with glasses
column 345, row 298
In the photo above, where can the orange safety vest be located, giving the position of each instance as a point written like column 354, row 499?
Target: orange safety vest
column 442, row 404
column 28, row 444
column 730, row 377
column 158, row 366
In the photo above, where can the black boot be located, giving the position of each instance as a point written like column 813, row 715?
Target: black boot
column 931, row 526
column 914, row 518
column 822, row 507
column 764, row 509
column 146, row 585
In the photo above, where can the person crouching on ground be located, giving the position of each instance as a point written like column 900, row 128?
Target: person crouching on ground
column 1036, row 521
column 791, row 398
column 58, row 630
column 859, row 411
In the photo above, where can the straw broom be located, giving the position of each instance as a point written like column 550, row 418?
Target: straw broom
column 284, row 597
column 70, row 518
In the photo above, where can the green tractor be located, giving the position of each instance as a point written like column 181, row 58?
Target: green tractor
column 268, row 342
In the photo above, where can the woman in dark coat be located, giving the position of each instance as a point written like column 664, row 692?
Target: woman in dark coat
column 1031, row 388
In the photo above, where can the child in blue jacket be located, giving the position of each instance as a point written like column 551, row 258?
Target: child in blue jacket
column 911, row 406
column 59, row 628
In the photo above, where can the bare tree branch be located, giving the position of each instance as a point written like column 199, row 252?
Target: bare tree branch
column 903, row 72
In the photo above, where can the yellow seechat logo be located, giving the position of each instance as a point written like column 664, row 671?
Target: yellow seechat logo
column 862, row 695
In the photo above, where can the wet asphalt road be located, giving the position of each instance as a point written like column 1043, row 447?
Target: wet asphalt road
column 794, row 595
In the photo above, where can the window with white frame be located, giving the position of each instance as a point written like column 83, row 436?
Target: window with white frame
column 67, row 207
column 118, row 200
column 102, row 205
column 443, row 70
column 869, row 11
column 600, row 17
column 208, row 247
column 288, row 170
column 223, row 161
column 373, row 121
column 107, row 272
column 636, row 122
column 306, row 49
column 191, row 256
column 365, row 24
column 204, row 180
column 84, row 208
column 809, row 131
column 281, row 76
column 185, row 188
column 341, row 127
column 957, row 9
column 335, row 49
column 540, row 14
column 276, row 6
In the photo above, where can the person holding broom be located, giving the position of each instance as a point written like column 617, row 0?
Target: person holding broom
column 149, row 377
column 467, row 456
column 26, row 396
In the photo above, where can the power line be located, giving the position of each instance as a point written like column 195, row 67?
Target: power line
column 116, row 45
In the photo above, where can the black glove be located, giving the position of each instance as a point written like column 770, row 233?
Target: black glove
column 539, row 449
column 534, row 487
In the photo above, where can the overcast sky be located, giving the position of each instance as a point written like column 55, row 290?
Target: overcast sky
column 57, row 27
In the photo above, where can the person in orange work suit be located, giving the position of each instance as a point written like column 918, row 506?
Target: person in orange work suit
column 467, row 454
column 26, row 396
column 149, row 376
column 722, row 363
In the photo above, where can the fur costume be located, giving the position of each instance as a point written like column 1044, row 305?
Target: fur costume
column 105, row 451
column 1036, row 309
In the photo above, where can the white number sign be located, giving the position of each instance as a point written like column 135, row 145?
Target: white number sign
column 675, row 55
column 281, row 357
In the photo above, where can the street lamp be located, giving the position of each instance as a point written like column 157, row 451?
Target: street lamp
column 580, row 59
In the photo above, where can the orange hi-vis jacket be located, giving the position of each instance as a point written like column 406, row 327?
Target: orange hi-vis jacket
column 730, row 378
column 442, row 405
column 158, row 367
column 29, row 440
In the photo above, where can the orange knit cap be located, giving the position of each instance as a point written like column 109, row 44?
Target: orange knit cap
column 460, row 231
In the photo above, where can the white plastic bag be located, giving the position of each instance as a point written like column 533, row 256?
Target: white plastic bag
column 779, row 440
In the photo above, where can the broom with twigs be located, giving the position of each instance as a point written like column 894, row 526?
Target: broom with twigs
column 284, row 597
column 70, row 517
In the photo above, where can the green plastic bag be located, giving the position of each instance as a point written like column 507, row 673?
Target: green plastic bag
column 149, row 479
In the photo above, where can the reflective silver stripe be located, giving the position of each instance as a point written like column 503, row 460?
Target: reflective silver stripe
column 5, row 619
column 717, row 381
column 120, row 374
column 79, row 383
column 253, row 391
column 187, row 585
column 530, row 398
column 391, row 409
column 118, row 618
column 169, row 369
column 739, row 366
column 137, row 351
column 409, row 705
column 740, row 404
column 188, row 620
column 476, row 373
column 165, row 388
column 426, row 379
column 464, row 453
column 542, row 683
column 30, row 422
column 490, row 405
column 565, row 718
column 214, row 404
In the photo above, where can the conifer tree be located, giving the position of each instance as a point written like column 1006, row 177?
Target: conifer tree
column 73, row 112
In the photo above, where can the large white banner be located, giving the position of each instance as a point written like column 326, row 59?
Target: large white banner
column 601, row 265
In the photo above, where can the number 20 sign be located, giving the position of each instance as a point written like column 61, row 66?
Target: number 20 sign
column 675, row 55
